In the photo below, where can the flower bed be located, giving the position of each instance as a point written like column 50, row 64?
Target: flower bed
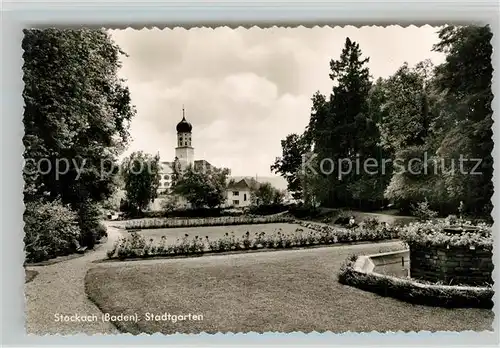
column 413, row 291
column 211, row 221
column 434, row 233
column 136, row 246
column 372, row 231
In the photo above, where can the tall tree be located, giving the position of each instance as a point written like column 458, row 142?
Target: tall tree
column 465, row 120
column 406, row 120
column 406, row 134
column 76, row 116
column 345, row 132
column 141, row 176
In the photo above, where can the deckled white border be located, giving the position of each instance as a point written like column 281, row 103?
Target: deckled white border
column 122, row 14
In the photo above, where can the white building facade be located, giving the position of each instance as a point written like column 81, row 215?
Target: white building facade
column 238, row 193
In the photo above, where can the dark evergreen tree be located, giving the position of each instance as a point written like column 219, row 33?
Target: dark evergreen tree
column 347, row 135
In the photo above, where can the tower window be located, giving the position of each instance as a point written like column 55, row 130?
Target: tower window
column 166, row 177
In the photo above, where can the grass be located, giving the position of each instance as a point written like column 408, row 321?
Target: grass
column 281, row 291
column 216, row 232
column 390, row 217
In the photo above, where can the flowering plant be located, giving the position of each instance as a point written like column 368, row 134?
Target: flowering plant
column 439, row 234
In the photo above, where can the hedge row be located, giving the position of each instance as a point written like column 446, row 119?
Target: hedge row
column 188, row 213
column 415, row 292
column 212, row 221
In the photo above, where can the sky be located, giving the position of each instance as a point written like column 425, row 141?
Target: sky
column 244, row 90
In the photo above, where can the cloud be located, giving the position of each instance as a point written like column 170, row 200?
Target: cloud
column 246, row 89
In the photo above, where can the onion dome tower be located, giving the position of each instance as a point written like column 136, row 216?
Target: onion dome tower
column 184, row 150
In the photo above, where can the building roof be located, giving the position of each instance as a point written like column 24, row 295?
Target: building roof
column 244, row 184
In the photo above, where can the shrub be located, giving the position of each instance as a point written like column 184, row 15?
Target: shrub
column 452, row 220
column 101, row 231
column 112, row 204
column 422, row 211
column 170, row 204
column 153, row 214
column 128, row 209
column 267, row 209
column 370, row 223
column 343, row 220
column 51, row 230
column 301, row 211
column 197, row 212
column 246, row 240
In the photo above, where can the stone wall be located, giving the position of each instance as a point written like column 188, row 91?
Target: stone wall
column 451, row 266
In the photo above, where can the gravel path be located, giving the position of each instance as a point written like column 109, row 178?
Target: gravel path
column 59, row 289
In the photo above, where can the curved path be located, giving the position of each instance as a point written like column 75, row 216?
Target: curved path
column 59, row 289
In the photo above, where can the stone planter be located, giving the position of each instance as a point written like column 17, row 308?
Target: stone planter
column 451, row 265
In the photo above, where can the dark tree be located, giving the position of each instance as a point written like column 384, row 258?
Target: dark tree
column 76, row 116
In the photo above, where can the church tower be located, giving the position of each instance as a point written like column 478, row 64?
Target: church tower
column 184, row 150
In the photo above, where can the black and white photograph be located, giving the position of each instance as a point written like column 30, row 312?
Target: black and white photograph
column 235, row 180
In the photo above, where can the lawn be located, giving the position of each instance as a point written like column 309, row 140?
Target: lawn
column 389, row 216
column 283, row 291
column 216, row 232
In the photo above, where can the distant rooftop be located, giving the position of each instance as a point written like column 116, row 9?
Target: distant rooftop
column 244, row 184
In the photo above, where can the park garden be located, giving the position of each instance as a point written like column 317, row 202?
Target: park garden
column 307, row 266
